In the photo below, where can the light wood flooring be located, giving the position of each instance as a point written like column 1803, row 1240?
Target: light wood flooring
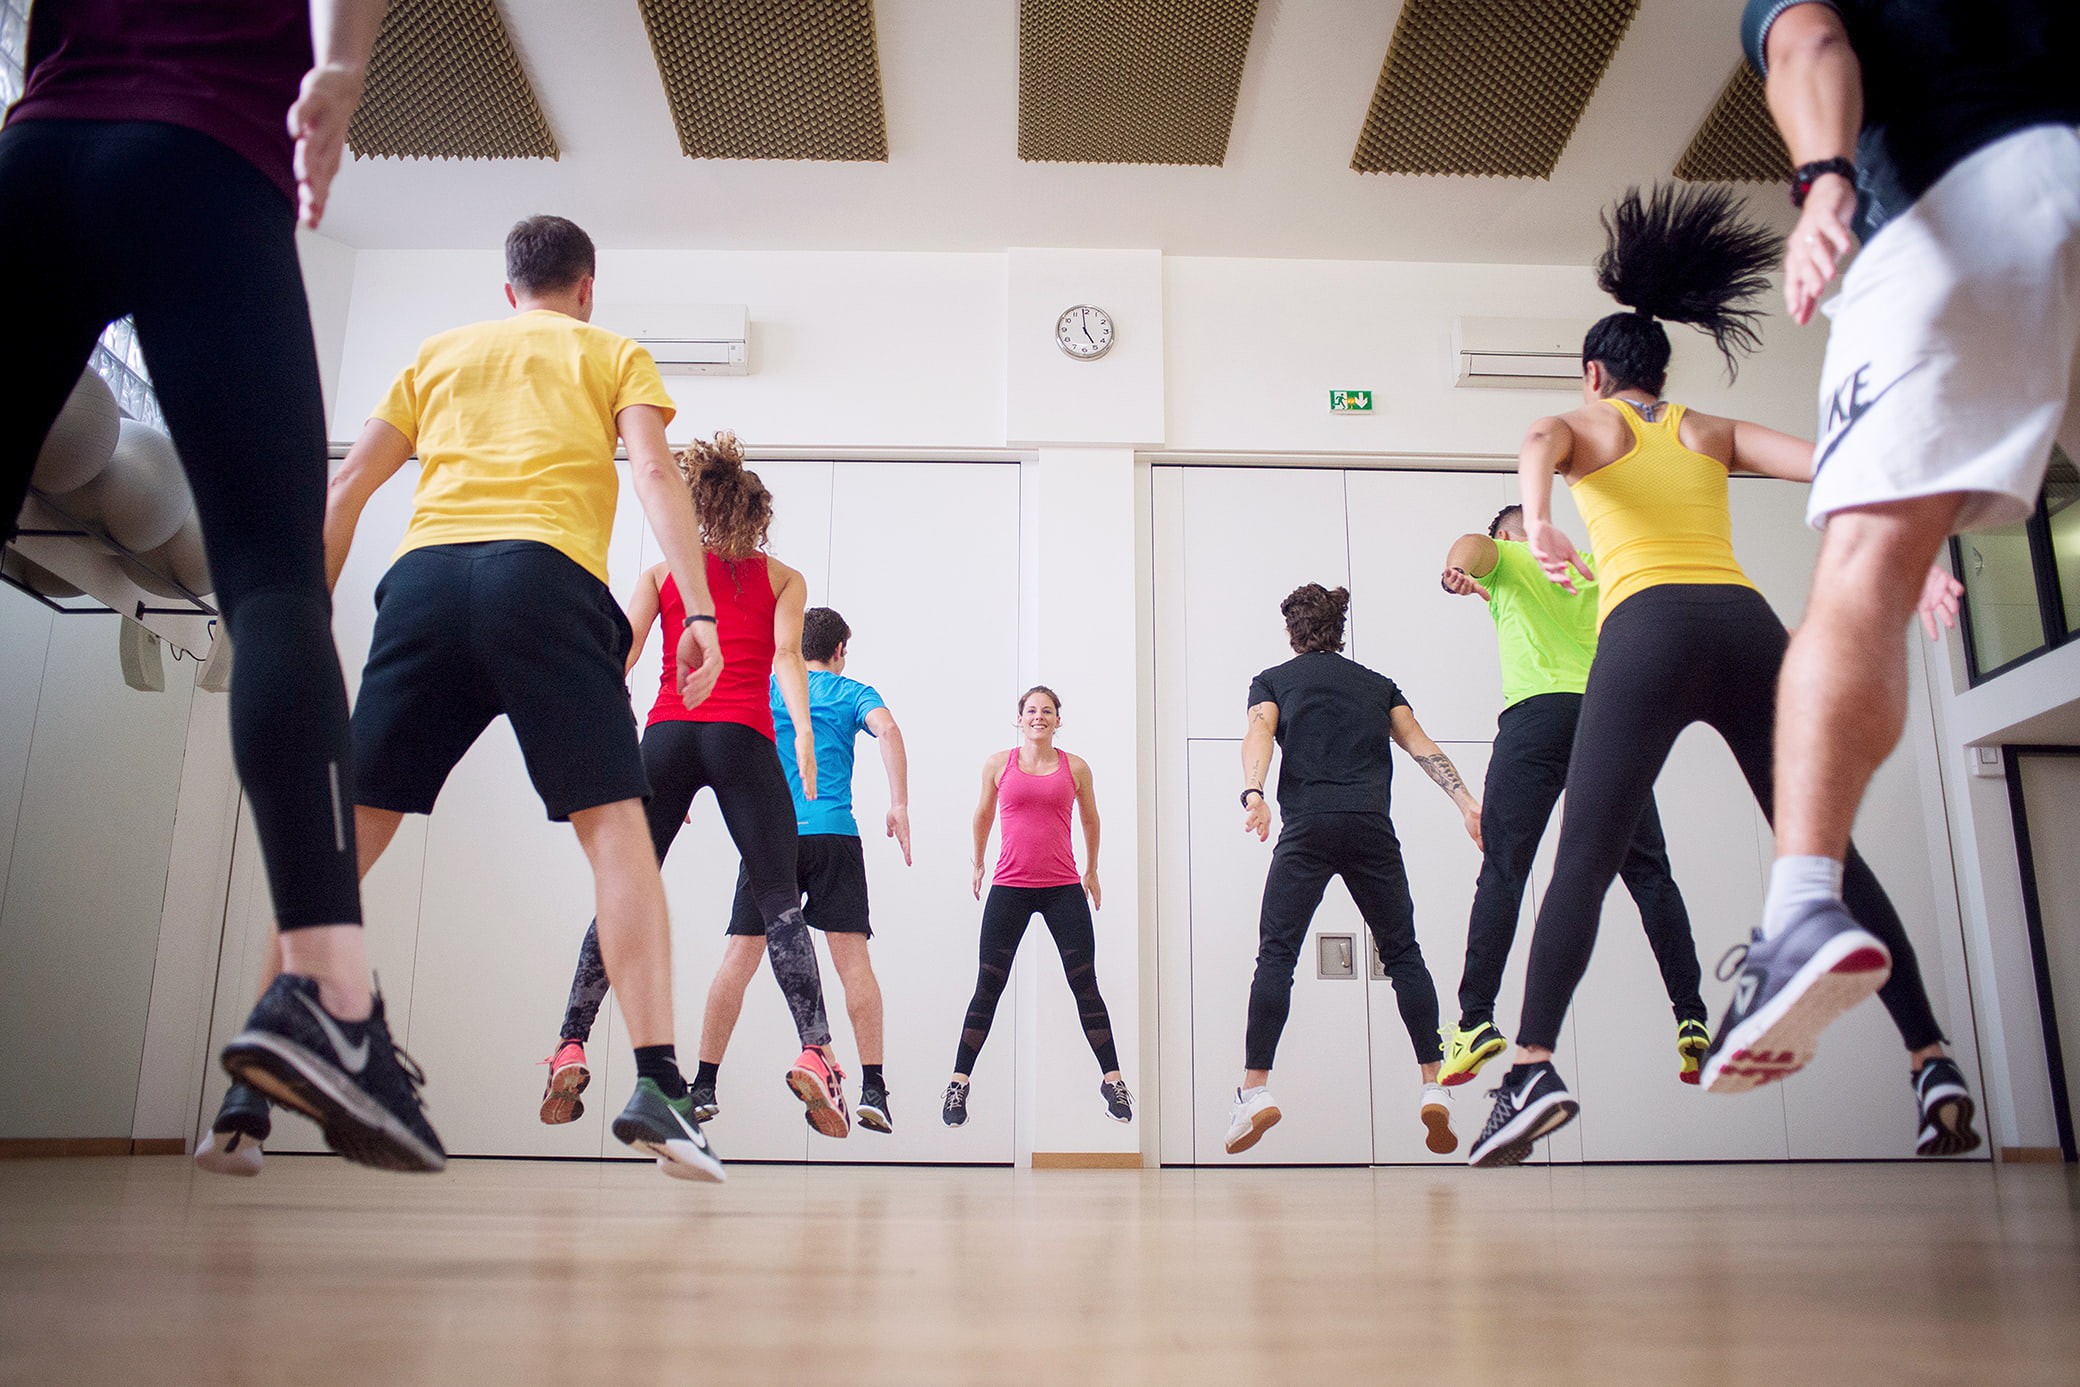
column 141, row 1271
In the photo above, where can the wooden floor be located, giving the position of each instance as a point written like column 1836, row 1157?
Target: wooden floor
column 141, row 1271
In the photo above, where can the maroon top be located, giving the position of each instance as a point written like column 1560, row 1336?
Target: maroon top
column 229, row 69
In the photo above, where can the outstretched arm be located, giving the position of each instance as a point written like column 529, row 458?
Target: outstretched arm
column 895, row 760
column 1547, row 449
column 373, row 460
column 1256, row 764
column 1087, row 811
column 1471, row 558
column 1814, row 86
column 642, row 613
column 1409, row 736
column 1771, row 454
column 669, row 508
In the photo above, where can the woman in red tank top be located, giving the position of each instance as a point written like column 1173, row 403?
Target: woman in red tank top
column 725, row 743
column 1031, row 789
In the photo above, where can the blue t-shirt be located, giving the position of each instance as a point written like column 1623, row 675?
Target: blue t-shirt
column 838, row 709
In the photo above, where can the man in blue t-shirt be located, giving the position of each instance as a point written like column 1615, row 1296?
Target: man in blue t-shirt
column 830, row 868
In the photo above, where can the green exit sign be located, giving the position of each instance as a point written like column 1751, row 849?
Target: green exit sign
column 1350, row 402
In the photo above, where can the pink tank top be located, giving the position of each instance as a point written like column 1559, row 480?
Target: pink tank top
column 1033, row 812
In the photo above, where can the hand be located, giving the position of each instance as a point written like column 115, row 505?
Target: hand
column 1459, row 583
column 978, row 881
column 1939, row 594
column 1257, row 818
column 318, row 123
column 700, row 662
column 1555, row 553
column 1818, row 244
column 805, row 760
column 899, row 828
column 1090, row 888
column 1472, row 815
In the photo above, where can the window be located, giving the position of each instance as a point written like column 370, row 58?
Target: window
column 2022, row 582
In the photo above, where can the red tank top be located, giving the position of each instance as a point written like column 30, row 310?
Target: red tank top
column 1033, row 812
column 744, row 603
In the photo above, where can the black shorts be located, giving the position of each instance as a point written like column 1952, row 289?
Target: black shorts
column 831, row 869
column 465, row 632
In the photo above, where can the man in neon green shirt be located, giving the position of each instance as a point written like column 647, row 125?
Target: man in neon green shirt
column 1547, row 638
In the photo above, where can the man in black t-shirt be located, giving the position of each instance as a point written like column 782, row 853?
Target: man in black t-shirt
column 1947, row 135
column 1335, row 721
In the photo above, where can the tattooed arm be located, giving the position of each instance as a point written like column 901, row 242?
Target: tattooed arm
column 1256, row 764
column 1409, row 736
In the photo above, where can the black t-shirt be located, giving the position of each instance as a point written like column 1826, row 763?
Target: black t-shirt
column 1942, row 79
column 1334, row 725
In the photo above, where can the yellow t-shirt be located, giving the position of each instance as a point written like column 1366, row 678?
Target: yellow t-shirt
column 513, row 422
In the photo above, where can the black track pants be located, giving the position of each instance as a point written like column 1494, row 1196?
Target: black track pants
column 1005, row 914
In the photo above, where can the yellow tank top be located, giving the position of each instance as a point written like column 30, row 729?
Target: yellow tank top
column 1658, row 514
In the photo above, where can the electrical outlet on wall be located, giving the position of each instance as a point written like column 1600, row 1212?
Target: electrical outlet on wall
column 1986, row 762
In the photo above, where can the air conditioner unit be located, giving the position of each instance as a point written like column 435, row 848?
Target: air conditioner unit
column 686, row 339
column 1519, row 353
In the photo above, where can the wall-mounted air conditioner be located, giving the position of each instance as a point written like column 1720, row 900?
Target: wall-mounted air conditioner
column 687, row 339
column 1519, row 353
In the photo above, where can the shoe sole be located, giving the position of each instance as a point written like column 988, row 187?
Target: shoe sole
column 1260, row 1122
column 873, row 1119
column 824, row 1116
column 1513, row 1147
column 355, row 1125
column 560, row 1102
column 239, row 1154
column 706, row 1112
column 1782, row 1038
column 1948, row 1131
column 1479, row 1058
column 1439, row 1136
column 676, row 1156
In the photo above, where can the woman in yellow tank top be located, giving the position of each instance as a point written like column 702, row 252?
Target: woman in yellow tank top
column 1684, row 637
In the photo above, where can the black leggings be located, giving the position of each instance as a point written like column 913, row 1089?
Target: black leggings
column 740, row 765
column 1668, row 657
column 1533, row 740
column 1005, row 914
column 1362, row 849
column 103, row 218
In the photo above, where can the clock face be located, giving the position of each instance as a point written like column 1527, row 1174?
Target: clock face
column 1084, row 332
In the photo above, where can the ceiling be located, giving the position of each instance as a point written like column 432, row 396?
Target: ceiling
column 953, row 181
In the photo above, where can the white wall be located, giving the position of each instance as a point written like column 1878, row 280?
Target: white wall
column 328, row 283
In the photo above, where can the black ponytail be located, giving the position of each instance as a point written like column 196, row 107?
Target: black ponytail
column 1684, row 255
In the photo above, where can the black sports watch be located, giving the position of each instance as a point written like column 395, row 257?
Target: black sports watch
column 1805, row 175
column 697, row 616
column 1252, row 790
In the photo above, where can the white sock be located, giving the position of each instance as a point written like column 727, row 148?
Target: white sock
column 1795, row 882
column 1433, row 1092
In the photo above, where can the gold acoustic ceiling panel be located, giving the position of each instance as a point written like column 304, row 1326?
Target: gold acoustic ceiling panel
column 445, row 83
column 1129, row 82
column 758, row 79
column 1487, row 87
column 1738, row 143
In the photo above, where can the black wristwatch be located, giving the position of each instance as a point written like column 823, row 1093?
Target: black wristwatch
column 697, row 616
column 1252, row 790
column 1804, row 176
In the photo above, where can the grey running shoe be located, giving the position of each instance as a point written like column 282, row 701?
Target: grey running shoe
column 1530, row 1102
column 666, row 1128
column 364, row 1093
column 872, row 1109
column 1787, row 991
column 1119, row 1104
column 233, row 1145
column 704, row 1105
column 1946, row 1110
column 955, row 1111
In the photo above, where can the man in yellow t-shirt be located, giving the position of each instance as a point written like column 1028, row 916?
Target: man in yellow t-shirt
column 1547, row 639
column 497, row 603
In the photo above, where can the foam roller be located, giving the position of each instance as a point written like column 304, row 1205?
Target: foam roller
column 142, row 495
column 182, row 559
column 81, row 438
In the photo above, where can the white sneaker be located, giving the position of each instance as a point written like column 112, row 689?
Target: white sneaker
column 1437, row 1118
column 1253, row 1116
column 230, row 1153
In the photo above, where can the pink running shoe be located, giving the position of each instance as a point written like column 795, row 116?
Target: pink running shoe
column 567, row 1079
column 818, row 1081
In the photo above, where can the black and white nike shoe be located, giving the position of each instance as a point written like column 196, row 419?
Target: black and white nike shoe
column 1788, row 990
column 872, row 1107
column 667, row 1129
column 1531, row 1102
column 1946, row 1110
column 347, row 1076
column 234, row 1141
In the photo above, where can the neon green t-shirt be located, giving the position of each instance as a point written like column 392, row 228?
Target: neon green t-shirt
column 1547, row 637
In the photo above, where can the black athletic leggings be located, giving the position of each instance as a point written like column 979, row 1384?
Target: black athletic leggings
column 1533, row 740
column 103, row 218
column 1005, row 914
column 740, row 765
column 1667, row 657
column 1362, row 849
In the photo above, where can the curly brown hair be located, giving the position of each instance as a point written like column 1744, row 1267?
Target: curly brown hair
column 733, row 505
column 1314, row 617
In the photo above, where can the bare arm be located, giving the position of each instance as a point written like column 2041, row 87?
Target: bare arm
column 1409, row 735
column 373, row 460
column 1470, row 558
column 1770, row 453
column 986, row 813
column 1815, row 94
column 1548, row 448
column 1087, row 811
column 642, row 613
column 1257, row 743
column 790, row 673
column 895, row 760
column 668, row 505
column 343, row 34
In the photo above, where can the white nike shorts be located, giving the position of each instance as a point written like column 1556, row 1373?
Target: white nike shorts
column 1954, row 360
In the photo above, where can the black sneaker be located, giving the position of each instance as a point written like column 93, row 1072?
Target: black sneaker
column 1530, row 1102
column 1788, row 990
column 872, row 1108
column 1119, row 1104
column 666, row 1128
column 234, row 1141
column 704, row 1105
column 955, row 1111
column 1946, row 1110
column 364, row 1094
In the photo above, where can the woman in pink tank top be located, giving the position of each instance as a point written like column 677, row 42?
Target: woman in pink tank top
column 1030, row 789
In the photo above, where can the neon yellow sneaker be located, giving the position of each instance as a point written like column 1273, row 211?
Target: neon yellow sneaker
column 1466, row 1051
column 1692, row 1040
